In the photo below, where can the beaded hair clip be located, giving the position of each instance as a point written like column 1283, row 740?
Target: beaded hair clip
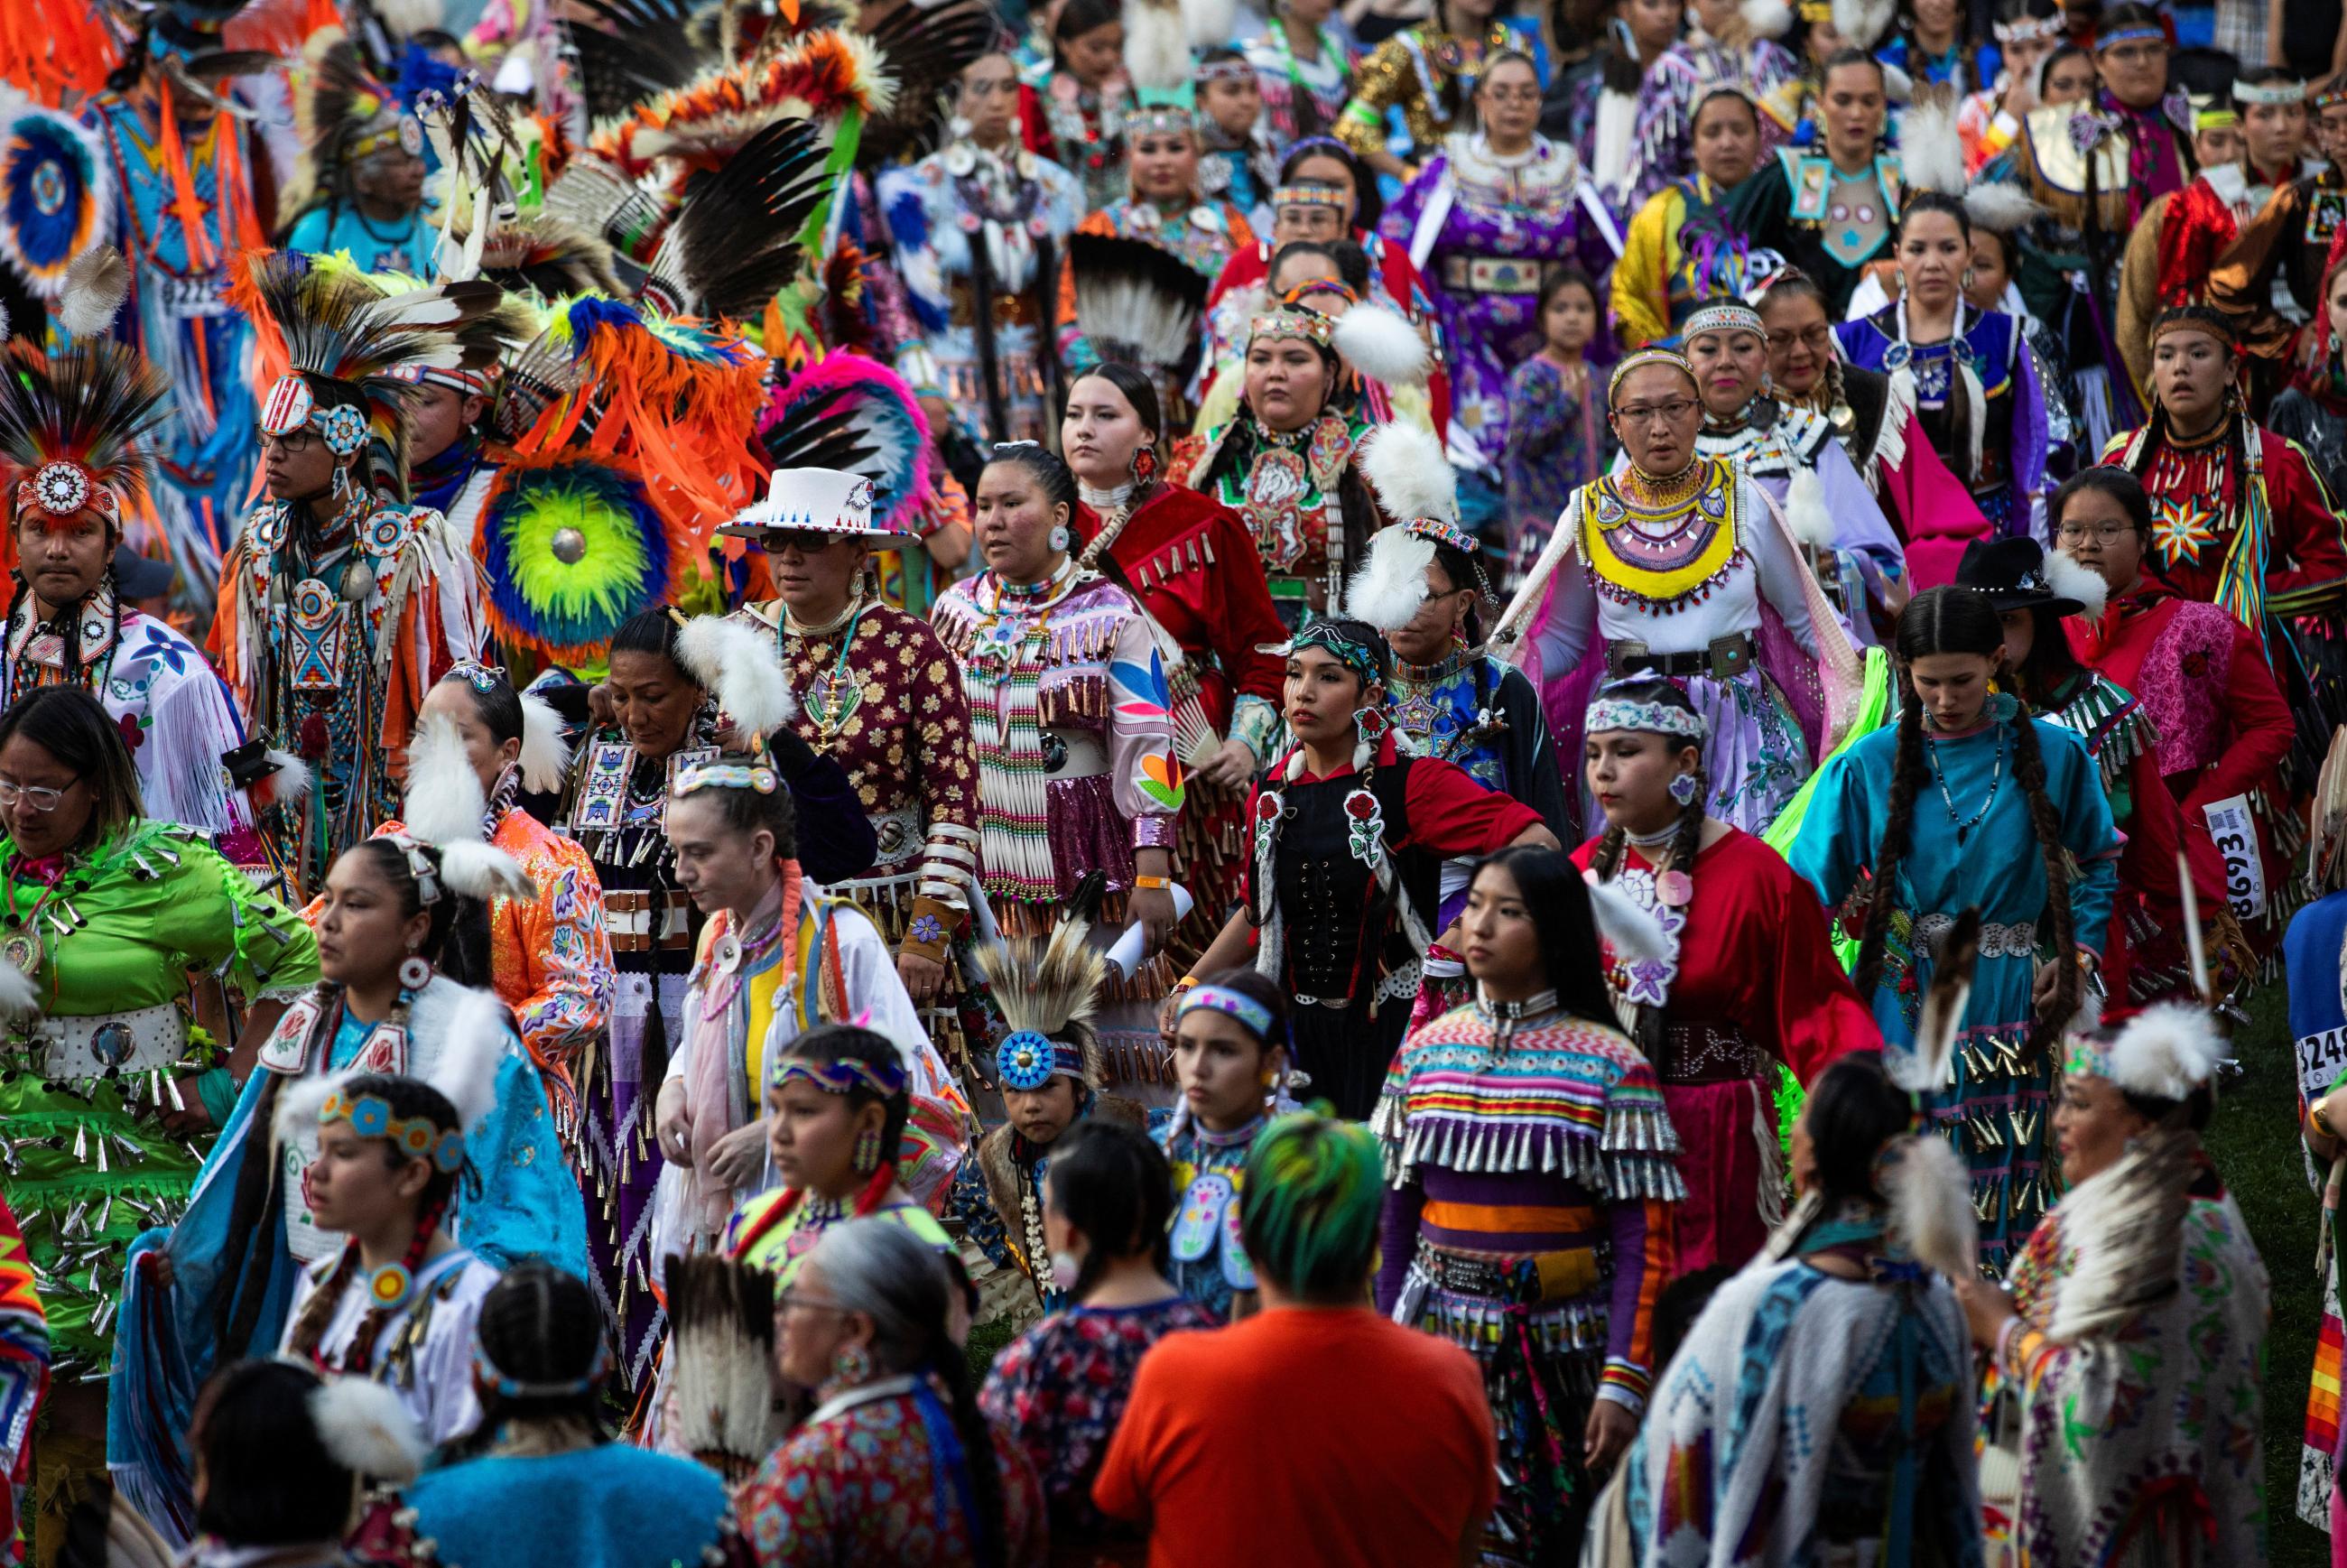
column 482, row 678
column 419, row 864
column 692, row 777
column 418, row 1137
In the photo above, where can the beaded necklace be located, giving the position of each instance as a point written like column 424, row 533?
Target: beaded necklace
column 1965, row 825
column 832, row 699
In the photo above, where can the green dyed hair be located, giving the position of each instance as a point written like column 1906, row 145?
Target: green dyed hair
column 1309, row 1212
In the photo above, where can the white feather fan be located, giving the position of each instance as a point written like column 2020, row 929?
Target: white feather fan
column 95, row 285
column 1863, row 23
column 1157, row 52
column 739, row 669
column 545, row 754
column 367, row 1430
column 1634, row 934
column 1767, row 19
column 1406, row 468
column 2071, row 581
column 479, row 870
column 1381, row 345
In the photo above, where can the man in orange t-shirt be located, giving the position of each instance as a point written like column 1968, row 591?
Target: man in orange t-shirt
column 1315, row 1432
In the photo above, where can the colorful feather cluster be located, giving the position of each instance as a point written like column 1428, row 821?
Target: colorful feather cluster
column 823, row 74
column 857, row 416
column 572, row 546
column 94, row 406
column 56, row 195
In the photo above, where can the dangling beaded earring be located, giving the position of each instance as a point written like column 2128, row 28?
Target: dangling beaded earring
column 867, row 1158
column 849, row 1363
column 415, row 974
column 1683, row 787
column 1144, row 465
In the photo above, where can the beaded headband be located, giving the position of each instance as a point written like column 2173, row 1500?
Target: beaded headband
column 1292, row 320
column 1815, row 11
column 1646, row 356
column 1250, row 1012
column 843, row 1076
column 2330, row 97
column 1027, row 1060
column 1648, row 718
column 1225, row 71
column 2216, row 116
column 2140, row 33
column 418, row 1137
column 1360, row 658
column 2087, row 1059
column 1728, row 315
column 292, row 406
column 512, row 1387
column 695, row 776
column 2028, row 30
column 1443, row 532
column 482, row 678
column 1160, row 119
column 1311, row 196
column 2246, row 93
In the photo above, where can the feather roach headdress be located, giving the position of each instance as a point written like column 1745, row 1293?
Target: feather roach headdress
column 74, row 429
column 573, row 547
column 346, row 112
column 857, row 415
column 1137, row 303
column 826, row 75
column 1048, row 989
column 321, row 324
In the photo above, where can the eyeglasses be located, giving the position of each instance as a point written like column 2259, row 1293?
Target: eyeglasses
column 1818, row 338
column 1669, row 412
column 300, row 440
column 2101, row 533
column 36, row 798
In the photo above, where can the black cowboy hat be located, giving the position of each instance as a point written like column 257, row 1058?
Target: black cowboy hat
column 2012, row 574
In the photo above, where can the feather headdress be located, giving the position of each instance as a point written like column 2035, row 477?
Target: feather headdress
column 739, row 667
column 854, row 414
column 825, row 74
column 446, row 807
column 733, row 244
column 74, row 428
column 1137, row 303
column 926, row 48
column 1418, row 491
column 1050, row 986
column 2166, row 1051
column 367, row 1430
column 346, row 111
column 1378, row 343
column 1999, row 207
column 548, row 256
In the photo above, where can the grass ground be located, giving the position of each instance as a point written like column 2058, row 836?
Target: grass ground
column 2254, row 1141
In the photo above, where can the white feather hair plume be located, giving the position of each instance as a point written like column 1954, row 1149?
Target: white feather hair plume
column 1633, row 934
column 1931, row 1204
column 1381, row 345
column 1156, row 48
column 2167, row 1051
column 1930, row 152
column 444, row 802
column 1406, row 467
column 95, row 285
column 1767, row 19
column 1863, row 23
column 1389, row 587
column 367, row 1430
column 545, row 754
column 18, row 999
column 1998, row 206
column 1897, row 85
column 480, row 1034
column 482, row 870
column 739, row 667
column 1806, row 511
column 2071, row 581
column 298, row 1105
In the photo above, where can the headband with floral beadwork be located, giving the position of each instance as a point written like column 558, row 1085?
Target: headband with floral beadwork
column 1363, row 658
column 1610, row 710
column 1251, row 1014
column 1292, row 319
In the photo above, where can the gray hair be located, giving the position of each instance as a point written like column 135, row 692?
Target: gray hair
column 876, row 1266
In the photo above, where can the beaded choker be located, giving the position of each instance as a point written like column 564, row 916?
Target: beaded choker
column 1658, row 492
column 1538, row 1005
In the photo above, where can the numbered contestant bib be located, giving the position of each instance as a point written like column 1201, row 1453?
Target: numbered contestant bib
column 2234, row 828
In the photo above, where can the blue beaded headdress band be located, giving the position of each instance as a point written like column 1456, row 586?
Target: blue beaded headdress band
column 2142, row 31
column 1253, row 1014
column 1646, row 356
column 1027, row 1060
column 842, row 1076
column 417, row 1137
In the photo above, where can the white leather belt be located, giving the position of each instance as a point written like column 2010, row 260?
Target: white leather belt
column 143, row 1041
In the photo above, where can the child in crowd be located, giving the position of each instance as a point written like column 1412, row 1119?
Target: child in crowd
column 1558, row 439
column 1236, row 163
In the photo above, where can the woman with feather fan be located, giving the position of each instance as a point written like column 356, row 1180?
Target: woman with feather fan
column 2128, row 1346
column 1820, row 1410
column 219, row 1285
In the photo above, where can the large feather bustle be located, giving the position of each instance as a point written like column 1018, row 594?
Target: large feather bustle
column 1995, row 205
column 1389, row 588
column 479, row 1037
column 444, row 802
column 97, row 404
column 822, row 74
column 2127, row 1222
column 2167, row 1051
column 739, row 667
column 1378, row 343
column 1135, row 302
column 1632, row 931
column 1156, row 51
column 1405, row 467
column 1930, row 151
column 1931, row 1204
column 545, row 754
column 95, row 285
column 2068, row 580
column 733, row 244
column 367, row 1430
column 722, row 1328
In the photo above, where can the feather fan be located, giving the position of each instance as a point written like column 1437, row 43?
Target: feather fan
column 1136, row 303
column 368, row 1430
column 1157, row 52
column 1928, row 1066
column 722, row 1354
column 95, row 285
column 483, row 871
column 2071, row 581
column 739, row 667
column 1932, row 1210
column 1767, row 19
column 444, row 802
column 1806, row 512
column 1633, row 934
column 1863, row 23
column 1381, row 345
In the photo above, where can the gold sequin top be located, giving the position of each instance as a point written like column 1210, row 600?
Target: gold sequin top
column 1410, row 69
